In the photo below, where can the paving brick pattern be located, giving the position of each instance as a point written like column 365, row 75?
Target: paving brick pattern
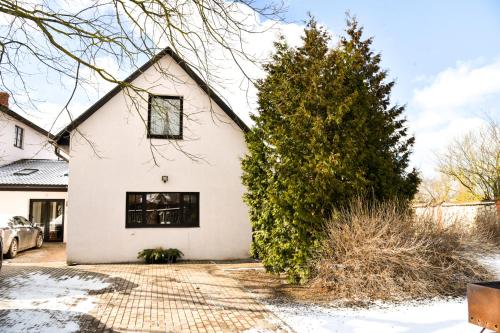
column 48, row 253
column 163, row 298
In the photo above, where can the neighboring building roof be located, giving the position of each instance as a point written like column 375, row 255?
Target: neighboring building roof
column 25, row 121
column 31, row 174
column 62, row 136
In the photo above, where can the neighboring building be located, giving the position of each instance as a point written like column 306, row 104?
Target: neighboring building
column 37, row 190
column 121, row 202
column 20, row 138
column 33, row 182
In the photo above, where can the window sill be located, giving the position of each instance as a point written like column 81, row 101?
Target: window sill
column 168, row 137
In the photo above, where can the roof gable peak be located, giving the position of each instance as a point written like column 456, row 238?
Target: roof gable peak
column 63, row 136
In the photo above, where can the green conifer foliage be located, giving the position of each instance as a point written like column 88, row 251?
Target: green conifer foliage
column 325, row 133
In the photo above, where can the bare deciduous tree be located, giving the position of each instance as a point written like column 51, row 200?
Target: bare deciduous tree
column 435, row 191
column 474, row 161
column 441, row 189
column 70, row 38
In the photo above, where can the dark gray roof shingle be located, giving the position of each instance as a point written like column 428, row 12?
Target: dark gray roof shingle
column 50, row 173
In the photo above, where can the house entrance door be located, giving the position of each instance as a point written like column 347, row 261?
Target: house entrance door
column 49, row 215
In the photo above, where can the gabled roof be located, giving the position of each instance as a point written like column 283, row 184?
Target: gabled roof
column 49, row 174
column 62, row 136
column 25, row 121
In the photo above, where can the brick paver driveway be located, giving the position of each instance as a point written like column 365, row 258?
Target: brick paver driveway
column 48, row 253
column 128, row 298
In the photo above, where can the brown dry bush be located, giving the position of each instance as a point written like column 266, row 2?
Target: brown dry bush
column 487, row 229
column 384, row 252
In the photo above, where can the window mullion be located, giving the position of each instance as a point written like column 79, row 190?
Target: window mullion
column 144, row 209
column 182, row 208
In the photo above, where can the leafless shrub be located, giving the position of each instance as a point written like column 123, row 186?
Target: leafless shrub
column 385, row 252
column 487, row 229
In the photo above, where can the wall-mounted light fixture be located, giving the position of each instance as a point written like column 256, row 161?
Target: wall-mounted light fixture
column 164, row 179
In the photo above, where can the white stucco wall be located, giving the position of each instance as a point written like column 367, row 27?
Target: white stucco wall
column 98, row 185
column 35, row 144
column 464, row 213
column 18, row 203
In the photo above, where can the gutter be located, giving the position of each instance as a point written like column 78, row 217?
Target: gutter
column 34, row 188
column 57, row 151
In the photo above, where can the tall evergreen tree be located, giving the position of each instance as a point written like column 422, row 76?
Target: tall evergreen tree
column 325, row 133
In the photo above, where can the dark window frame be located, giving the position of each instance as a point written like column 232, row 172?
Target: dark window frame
column 46, row 229
column 135, row 225
column 19, row 144
column 166, row 136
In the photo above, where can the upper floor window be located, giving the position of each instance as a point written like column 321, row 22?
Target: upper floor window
column 165, row 117
column 19, row 137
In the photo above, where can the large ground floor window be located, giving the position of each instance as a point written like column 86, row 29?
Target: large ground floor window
column 162, row 209
column 49, row 215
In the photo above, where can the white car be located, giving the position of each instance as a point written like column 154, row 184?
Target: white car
column 18, row 234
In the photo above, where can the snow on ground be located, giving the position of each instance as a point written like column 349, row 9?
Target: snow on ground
column 438, row 316
column 39, row 302
column 40, row 321
column 493, row 263
column 433, row 316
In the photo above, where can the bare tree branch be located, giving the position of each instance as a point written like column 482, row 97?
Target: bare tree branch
column 64, row 39
column 474, row 161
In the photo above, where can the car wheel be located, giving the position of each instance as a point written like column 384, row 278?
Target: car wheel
column 39, row 240
column 13, row 249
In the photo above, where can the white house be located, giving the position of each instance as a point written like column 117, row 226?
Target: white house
column 33, row 181
column 164, row 171
column 21, row 138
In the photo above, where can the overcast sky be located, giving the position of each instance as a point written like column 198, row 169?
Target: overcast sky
column 444, row 56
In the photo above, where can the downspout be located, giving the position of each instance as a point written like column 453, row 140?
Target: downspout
column 57, row 150
column 58, row 153
column 53, row 140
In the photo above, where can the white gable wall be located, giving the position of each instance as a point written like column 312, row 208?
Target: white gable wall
column 35, row 144
column 98, row 185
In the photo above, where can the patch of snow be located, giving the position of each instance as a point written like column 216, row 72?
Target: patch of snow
column 433, row 316
column 40, row 321
column 42, row 303
column 493, row 263
column 437, row 316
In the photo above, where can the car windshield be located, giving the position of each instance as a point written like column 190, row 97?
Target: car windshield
column 6, row 220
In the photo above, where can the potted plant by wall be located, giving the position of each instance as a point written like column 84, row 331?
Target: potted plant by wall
column 160, row 255
column 173, row 255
